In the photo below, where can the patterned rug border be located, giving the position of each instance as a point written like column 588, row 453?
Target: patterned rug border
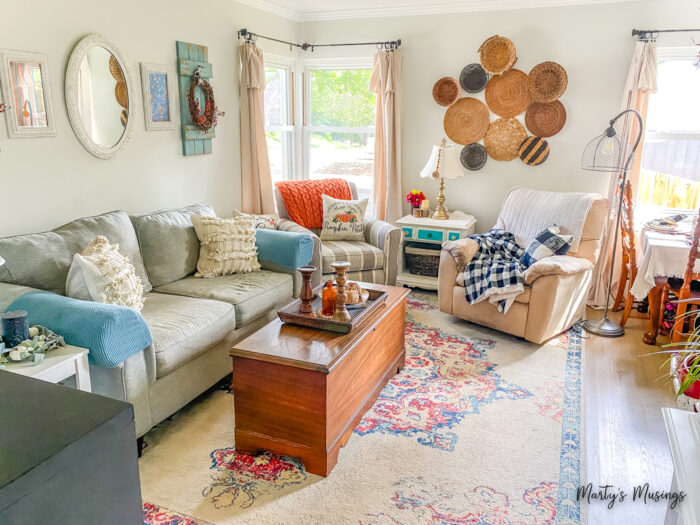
column 572, row 459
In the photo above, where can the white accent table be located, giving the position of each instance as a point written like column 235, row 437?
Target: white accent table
column 58, row 364
column 683, row 429
column 431, row 231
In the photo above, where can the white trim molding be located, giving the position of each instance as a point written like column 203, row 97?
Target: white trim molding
column 413, row 8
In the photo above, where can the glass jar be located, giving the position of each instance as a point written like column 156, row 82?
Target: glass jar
column 328, row 297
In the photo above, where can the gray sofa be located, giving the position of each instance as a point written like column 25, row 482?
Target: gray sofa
column 193, row 322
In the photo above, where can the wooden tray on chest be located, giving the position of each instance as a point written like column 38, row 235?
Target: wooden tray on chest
column 290, row 313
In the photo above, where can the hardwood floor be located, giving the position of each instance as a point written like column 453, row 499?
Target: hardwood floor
column 626, row 442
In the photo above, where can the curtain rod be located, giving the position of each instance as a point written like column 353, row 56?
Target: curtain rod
column 252, row 37
column 653, row 33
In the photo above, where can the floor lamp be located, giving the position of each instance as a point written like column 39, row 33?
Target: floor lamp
column 609, row 152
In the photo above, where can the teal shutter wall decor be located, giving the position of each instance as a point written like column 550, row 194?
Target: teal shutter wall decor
column 189, row 57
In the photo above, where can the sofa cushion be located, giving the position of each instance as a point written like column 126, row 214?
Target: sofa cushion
column 184, row 327
column 360, row 255
column 251, row 294
column 168, row 242
column 42, row 260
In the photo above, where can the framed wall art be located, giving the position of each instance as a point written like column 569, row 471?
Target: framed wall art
column 158, row 93
column 26, row 89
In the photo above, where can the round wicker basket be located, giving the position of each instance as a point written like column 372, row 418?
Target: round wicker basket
column 466, row 121
column 534, row 151
column 473, row 78
column 115, row 69
column 506, row 94
column 446, row 91
column 503, row 138
column 497, row 54
column 547, row 82
column 121, row 94
column 545, row 119
column 473, row 156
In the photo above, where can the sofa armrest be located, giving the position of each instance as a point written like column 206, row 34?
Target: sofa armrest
column 463, row 251
column 284, row 248
column 387, row 238
column 556, row 265
column 287, row 225
column 447, row 279
column 111, row 333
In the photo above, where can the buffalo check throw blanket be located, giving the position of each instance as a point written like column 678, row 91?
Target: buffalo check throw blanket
column 495, row 273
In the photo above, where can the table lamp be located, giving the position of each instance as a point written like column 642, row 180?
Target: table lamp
column 443, row 164
column 612, row 153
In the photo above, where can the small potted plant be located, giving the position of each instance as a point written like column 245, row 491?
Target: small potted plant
column 415, row 198
column 685, row 361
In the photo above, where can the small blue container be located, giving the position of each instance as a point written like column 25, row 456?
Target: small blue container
column 15, row 327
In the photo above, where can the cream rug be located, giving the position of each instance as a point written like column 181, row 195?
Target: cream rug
column 480, row 428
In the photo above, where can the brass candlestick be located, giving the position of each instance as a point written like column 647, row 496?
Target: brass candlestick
column 307, row 292
column 341, row 313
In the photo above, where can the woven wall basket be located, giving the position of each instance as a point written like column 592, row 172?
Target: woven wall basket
column 547, row 82
column 120, row 94
column 534, row 151
column 467, row 120
column 497, row 54
column 506, row 94
column 446, row 91
column 545, row 119
column 473, row 156
column 115, row 69
column 473, row 78
column 503, row 138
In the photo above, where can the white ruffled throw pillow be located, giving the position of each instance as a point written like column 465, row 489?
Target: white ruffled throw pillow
column 226, row 246
column 103, row 275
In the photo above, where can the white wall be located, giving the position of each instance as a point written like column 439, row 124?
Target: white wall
column 45, row 182
column 592, row 42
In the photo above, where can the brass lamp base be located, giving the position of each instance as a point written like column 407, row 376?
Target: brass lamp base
column 441, row 211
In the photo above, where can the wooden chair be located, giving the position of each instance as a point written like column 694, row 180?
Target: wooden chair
column 684, row 293
column 629, row 255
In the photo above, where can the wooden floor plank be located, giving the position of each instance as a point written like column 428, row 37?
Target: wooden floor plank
column 626, row 442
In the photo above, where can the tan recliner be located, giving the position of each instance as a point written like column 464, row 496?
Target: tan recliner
column 556, row 288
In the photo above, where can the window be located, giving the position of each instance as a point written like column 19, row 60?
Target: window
column 279, row 127
column 339, row 124
column 670, row 170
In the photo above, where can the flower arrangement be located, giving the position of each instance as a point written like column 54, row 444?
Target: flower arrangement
column 414, row 198
column 41, row 340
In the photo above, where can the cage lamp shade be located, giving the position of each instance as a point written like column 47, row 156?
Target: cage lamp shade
column 608, row 152
column 450, row 166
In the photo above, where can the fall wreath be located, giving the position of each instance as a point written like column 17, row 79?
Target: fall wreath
column 207, row 120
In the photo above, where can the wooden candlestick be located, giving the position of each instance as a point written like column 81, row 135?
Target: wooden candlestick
column 307, row 292
column 341, row 314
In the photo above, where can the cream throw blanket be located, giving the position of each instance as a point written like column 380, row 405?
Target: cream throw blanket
column 526, row 213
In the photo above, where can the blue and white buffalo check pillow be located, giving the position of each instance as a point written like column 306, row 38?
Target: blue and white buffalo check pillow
column 549, row 242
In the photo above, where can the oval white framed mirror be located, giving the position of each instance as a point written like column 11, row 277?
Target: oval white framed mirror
column 100, row 96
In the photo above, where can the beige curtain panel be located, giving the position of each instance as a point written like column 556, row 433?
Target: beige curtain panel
column 641, row 82
column 256, row 180
column 386, row 83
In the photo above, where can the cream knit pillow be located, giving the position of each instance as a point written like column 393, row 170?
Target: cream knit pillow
column 103, row 275
column 226, row 246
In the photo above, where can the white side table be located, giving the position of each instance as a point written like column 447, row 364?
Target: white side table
column 431, row 231
column 58, row 364
column 683, row 429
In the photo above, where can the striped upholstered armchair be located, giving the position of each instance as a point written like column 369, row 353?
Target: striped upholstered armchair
column 376, row 260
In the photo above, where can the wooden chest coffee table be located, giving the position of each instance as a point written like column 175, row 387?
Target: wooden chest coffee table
column 300, row 391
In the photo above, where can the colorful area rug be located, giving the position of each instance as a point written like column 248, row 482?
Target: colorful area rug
column 480, row 428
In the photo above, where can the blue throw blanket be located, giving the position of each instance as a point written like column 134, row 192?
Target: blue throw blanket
column 111, row 333
column 495, row 273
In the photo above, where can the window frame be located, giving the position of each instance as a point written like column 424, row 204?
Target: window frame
column 308, row 66
column 291, row 65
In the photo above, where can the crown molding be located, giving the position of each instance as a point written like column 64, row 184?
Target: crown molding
column 417, row 9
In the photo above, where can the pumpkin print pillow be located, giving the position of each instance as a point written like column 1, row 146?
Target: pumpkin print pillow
column 343, row 220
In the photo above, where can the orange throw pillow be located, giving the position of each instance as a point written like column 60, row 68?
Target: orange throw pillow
column 303, row 200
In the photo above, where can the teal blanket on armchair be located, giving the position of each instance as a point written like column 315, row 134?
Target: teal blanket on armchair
column 111, row 333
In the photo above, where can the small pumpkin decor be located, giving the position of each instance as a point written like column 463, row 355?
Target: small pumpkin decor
column 209, row 118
